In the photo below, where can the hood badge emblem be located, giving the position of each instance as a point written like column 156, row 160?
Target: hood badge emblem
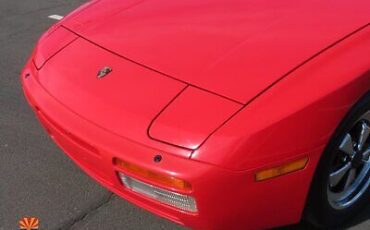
column 103, row 72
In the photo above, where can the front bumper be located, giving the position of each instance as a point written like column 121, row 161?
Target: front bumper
column 225, row 199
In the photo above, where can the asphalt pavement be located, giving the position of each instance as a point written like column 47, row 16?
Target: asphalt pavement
column 36, row 177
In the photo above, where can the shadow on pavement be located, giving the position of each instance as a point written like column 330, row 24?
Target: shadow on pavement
column 362, row 217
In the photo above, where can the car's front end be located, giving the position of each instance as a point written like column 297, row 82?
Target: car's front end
column 155, row 175
column 210, row 157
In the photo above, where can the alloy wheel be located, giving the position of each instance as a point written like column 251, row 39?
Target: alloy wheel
column 349, row 176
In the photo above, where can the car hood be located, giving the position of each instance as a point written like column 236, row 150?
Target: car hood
column 129, row 100
column 235, row 49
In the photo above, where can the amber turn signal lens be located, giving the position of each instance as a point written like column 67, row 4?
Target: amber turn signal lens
column 282, row 170
column 159, row 178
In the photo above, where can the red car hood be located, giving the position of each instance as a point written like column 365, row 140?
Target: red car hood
column 130, row 101
column 233, row 48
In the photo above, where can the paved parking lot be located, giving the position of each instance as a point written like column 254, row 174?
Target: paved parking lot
column 36, row 178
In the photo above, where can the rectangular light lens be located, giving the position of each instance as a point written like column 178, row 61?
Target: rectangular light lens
column 156, row 177
column 183, row 202
column 282, row 169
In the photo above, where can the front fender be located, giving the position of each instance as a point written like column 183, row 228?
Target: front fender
column 297, row 114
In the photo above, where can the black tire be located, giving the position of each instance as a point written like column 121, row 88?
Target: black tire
column 319, row 210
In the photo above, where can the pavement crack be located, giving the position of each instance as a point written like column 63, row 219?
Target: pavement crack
column 81, row 217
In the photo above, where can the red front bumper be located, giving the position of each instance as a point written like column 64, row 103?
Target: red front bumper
column 225, row 199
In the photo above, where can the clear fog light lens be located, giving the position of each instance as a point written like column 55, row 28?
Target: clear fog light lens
column 183, row 202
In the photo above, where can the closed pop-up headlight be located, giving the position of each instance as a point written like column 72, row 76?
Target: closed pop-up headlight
column 58, row 36
column 51, row 43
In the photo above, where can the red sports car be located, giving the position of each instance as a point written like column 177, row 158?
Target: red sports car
column 215, row 114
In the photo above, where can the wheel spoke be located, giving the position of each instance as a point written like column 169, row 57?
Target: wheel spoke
column 351, row 177
column 366, row 156
column 338, row 175
column 367, row 116
column 347, row 145
column 364, row 135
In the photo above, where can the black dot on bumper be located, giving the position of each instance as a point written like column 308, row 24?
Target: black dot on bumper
column 157, row 158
